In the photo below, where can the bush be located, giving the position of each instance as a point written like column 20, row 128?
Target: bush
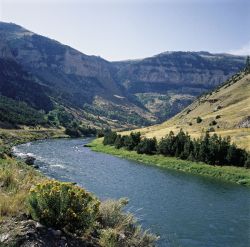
column 120, row 229
column 218, row 116
column 198, row 119
column 213, row 123
column 63, row 206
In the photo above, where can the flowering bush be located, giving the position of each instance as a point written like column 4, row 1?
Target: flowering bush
column 63, row 205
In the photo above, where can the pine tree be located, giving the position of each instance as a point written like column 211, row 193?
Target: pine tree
column 247, row 69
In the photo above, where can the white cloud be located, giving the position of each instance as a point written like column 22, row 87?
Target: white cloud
column 244, row 50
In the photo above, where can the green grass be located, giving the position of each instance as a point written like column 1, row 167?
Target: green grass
column 226, row 173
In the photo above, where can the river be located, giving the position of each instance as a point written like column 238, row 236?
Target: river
column 185, row 210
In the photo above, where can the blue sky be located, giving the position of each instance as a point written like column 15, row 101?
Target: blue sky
column 126, row 29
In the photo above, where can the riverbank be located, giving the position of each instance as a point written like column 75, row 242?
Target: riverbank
column 12, row 137
column 16, row 177
column 18, row 227
column 227, row 173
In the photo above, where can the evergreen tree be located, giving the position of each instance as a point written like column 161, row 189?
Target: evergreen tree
column 147, row 146
column 247, row 69
column 131, row 141
column 109, row 138
column 119, row 141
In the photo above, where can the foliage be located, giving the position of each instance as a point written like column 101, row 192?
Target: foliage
column 212, row 150
column 132, row 141
column 19, row 85
column 18, row 112
column 213, row 123
column 63, row 205
column 233, row 174
column 120, row 229
column 198, row 119
column 119, row 142
column 109, row 138
column 77, row 130
column 16, row 179
column 101, row 132
column 60, row 116
column 247, row 68
column 147, row 146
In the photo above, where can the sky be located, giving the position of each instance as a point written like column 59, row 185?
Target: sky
column 126, row 29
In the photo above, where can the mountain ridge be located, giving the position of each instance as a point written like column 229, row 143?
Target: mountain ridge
column 117, row 94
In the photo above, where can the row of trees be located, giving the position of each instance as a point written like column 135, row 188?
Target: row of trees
column 213, row 150
column 75, row 129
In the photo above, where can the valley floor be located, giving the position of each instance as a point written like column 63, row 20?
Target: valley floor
column 227, row 173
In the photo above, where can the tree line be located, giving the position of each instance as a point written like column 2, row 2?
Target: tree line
column 213, row 150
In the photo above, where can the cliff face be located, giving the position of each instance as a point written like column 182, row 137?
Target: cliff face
column 224, row 111
column 143, row 91
column 60, row 66
column 192, row 71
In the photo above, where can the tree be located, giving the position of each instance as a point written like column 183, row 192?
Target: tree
column 109, row 138
column 166, row 145
column 131, row 141
column 119, row 141
column 147, row 146
column 204, row 149
column 247, row 69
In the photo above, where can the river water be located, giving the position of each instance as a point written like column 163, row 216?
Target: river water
column 185, row 210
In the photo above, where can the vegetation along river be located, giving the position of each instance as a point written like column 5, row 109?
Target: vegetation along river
column 185, row 210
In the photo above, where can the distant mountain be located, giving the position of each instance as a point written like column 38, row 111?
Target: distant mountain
column 181, row 76
column 224, row 111
column 84, row 84
column 45, row 74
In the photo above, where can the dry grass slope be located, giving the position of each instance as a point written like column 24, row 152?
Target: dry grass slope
column 228, row 105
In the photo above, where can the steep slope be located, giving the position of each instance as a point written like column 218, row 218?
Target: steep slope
column 120, row 94
column 17, row 84
column 79, row 82
column 176, row 77
column 224, row 111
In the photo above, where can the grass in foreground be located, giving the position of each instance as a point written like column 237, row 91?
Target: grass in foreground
column 16, row 179
column 227, row 173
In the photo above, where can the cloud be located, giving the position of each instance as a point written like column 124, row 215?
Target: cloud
column 244, row 50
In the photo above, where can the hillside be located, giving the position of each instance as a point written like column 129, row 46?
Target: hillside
column 224, row 111
column 82, row 84
column 47, row 74
column 168, row 82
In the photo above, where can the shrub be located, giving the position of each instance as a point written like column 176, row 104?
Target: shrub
column 213, row 123
column 218, row 116
column 63, row 205
column 211, row 129
column 120, row 228
column 198, row 119
column 109, row 238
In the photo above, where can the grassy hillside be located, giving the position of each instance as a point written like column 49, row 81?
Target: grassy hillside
column 224, row 111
